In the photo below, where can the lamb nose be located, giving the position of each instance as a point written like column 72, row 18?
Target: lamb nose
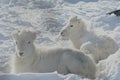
column 21, row 53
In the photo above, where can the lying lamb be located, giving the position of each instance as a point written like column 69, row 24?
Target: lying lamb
column 98, row 46
column 29, row 58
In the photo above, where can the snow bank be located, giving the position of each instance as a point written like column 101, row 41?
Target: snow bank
column 110, row 68
column 38, row 76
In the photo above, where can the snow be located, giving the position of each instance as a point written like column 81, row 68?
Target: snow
column 40, row 76
column 110, row 68
column 36, row 76
column 48, row 17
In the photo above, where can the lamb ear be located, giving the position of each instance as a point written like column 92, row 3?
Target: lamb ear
column 34, row 35
column 74, row 18
column 14, row 34
column 79, row 20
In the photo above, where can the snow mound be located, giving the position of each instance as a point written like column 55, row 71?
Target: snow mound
column 38, row 76
column 41, row 4
column 110, row 68
column 32, row 4
column 72, row 1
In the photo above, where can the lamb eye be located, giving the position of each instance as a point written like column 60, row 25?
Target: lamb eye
column 71, row 25
column 29, row 42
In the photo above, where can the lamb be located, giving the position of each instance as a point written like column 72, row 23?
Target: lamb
column 30, row 58
column 97, row 46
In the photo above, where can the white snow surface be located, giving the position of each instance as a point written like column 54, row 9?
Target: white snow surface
column 38, row 76
column 48, row 17
column 110, row 68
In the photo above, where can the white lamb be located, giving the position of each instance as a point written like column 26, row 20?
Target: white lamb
column 98, row 46
column 28, row 58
